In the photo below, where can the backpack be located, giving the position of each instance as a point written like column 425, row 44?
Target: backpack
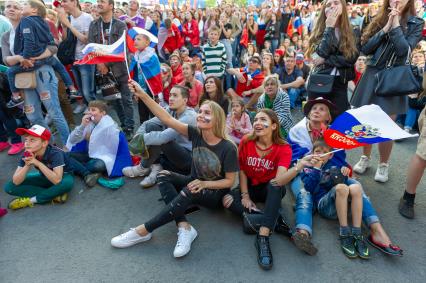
column 66, row 49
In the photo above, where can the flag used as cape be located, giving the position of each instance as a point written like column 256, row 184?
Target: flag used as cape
column 147, row 62
column 362, row 126
column 114, row 153
column 95, row 53
column 133, row 32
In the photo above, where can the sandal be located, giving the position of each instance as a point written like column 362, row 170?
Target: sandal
column 390, row 250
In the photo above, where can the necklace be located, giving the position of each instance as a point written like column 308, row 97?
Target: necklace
column 264, row 151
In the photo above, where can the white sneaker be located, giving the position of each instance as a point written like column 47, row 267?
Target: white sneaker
column 79, row 109
column 407, row 129
column 382, row 173
column 129, row 239
column 151, row 179
column 185, row 239
column 135, row 171
column 362, row 164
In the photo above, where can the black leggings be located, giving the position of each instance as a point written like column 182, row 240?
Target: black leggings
column 169, row 184
column 266, row 193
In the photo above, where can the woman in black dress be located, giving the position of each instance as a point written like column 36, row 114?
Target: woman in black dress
column 333, row 48
column 392, row 33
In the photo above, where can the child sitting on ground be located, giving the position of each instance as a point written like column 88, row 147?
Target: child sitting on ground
column 332, row 190
column 238, row 122
column 32, row 40
column 53, row 180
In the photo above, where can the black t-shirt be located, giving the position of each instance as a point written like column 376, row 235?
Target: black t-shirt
column 227, row 26
column 53, row 157
column 106, row 32
column 210, row 163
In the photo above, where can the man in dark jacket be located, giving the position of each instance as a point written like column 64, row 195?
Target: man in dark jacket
column 107, row 30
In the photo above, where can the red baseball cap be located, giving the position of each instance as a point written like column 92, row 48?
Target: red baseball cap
column 35, row 131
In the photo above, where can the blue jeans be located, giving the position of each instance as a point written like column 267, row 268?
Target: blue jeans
column 85, row 78
column 274, row 45
column 7, row 128
column 327, row 206
column 304, row 205
column 46, row 92
column 294, row 94
column 93, row 165
column 62, row 71
column 411, row 117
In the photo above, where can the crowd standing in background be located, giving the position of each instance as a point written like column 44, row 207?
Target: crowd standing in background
column 203, row 107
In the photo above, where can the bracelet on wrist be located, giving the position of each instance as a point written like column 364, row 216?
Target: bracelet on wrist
column 244, row 194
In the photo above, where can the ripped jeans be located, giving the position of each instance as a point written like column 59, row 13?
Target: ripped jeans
column 46, row 92
column 169, row 184
column 304, row 205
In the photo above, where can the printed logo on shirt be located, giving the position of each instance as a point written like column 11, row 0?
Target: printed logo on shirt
column 206, row 163
column 260, row 162
column 26, row 30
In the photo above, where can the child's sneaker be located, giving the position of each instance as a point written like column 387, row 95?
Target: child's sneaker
column 60, row 199
column 14, row 102
column 74, row 94
column 347, row 244
column 20, row 203
column 361, row 247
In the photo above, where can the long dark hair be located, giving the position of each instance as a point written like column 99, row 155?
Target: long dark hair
column 277, row 138
column 220, row 96
column 347, row 43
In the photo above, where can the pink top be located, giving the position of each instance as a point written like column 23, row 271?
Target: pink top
column 238, row 128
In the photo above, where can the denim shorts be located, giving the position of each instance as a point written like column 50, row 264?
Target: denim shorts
column 327, row 205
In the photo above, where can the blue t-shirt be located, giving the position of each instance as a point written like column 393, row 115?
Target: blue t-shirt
column 286, row 78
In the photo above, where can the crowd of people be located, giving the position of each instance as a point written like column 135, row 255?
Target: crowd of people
column 215, row 99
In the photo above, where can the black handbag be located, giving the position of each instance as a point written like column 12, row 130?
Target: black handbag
column 109, row 86
column 320, row 83
column 398, row 80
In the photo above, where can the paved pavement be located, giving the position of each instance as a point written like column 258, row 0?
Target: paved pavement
column 71, row 242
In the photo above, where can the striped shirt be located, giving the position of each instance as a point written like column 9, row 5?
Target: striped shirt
column 281, row 107
column 214, row 59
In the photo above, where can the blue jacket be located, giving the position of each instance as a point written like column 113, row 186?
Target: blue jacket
column 311, row 178
column 32, row 37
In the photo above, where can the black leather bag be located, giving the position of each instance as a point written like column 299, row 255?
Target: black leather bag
column 109, row 86
column 320, row 83
column 66, row 49
column 398, row 80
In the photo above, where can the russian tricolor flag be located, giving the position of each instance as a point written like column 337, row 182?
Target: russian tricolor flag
column 147, row 62
column 95, row 53
column 133, row 32
column 363, row 126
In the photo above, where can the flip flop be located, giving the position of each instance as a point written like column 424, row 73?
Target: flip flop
column 392, row 250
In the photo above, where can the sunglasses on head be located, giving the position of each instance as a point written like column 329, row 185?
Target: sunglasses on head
column 255, row 61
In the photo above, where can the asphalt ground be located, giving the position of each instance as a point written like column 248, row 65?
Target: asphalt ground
column 71, row 242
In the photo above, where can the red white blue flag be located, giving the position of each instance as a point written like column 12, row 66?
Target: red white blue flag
column 95, row 53
column 363, row 126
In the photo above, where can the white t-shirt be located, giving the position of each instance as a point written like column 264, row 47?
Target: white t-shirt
column 81, row 24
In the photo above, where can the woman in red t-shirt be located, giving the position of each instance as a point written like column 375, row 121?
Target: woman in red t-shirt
column 264, row 159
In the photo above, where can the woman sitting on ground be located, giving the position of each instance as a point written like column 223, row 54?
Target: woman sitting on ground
column 195, row 87
column 277, row 100
column 264, row 158
column 213, row 171
column 213, row 91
